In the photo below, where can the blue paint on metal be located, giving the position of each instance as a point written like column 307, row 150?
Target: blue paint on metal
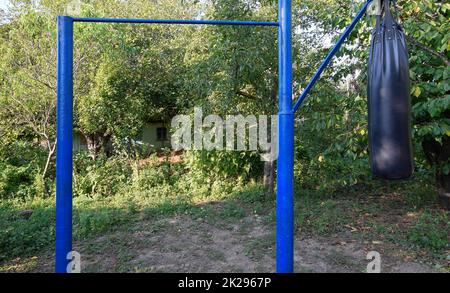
column 64, row 160
column 178, row 21
column 285, row 174
column 333, row 51
column 64, row 143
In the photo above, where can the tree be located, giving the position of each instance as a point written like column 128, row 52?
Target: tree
column 426, row 25
column 234, row 70
column 135, row 77
column 28, row 87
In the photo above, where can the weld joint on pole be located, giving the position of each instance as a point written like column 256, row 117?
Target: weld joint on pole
column 286, row 113
column 66, row 17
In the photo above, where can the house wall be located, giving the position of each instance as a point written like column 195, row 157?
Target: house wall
column 149, row 136
column 79, row 142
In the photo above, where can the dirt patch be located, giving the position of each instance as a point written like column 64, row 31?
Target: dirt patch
column 195, row 246
column 181, row 244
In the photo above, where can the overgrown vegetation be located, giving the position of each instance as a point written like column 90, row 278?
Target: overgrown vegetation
column 126, row 76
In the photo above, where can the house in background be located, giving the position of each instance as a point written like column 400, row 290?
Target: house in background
column 154, row 135
column 79, row 142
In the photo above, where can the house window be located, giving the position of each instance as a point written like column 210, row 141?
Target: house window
column 161, row 134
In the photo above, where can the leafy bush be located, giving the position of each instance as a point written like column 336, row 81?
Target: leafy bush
column 225, row 164
column 103, row 177
column 321, row 169
column 20, row 165
column 151, row 176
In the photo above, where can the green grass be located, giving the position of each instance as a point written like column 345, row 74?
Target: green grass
column 431, row 231
column 19, row 236
column 377, row 210
column 96, row 215
column 259, row 247
column 318, row 214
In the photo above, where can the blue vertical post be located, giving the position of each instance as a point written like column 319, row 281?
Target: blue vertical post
column 64, row 143
column 285, row 174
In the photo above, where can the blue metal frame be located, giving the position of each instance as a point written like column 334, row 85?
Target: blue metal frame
column 64, row 134
column 285, row 174
column 330, row 55
column 177, row 21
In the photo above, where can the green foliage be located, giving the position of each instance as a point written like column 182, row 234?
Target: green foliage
column 420, row 195
column 427, row 25
column 318, row 214
column 233, row 210
column 234, row 69
column 121, row 82
column 335, row 116
column 332, row 139
column 128, row 75
column 20, row 175
column 19, row 236
column 320, row 172
column 103, row 177
column 154, row 175
column 109, row 193
column 91, row 221
column 224, row 164
column 430, row 231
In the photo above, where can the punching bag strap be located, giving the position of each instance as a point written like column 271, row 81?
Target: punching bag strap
column 388, row 13
column 389, row 22
column 379, row 21
column 397, row 15
column 388, row 18
column 377, row 33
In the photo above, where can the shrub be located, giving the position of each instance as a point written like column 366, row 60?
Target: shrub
column 103, row 177
column 225, row 164
column 20, row 165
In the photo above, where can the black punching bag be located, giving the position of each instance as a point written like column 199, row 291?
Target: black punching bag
column 389, row 101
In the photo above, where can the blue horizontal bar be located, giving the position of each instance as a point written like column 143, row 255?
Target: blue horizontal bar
column 330, row 56
column 178, row 21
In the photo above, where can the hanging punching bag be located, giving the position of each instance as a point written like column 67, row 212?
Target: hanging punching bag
column 389, row 100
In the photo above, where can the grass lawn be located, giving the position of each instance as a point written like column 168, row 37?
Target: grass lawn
column 161, row 231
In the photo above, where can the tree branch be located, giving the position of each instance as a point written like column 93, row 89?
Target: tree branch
column 429, row 50
column 247, row 95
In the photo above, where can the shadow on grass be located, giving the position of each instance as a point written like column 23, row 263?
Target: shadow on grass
column 22, row 237
column 316, row 212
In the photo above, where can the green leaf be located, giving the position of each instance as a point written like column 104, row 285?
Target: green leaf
column 417, row 91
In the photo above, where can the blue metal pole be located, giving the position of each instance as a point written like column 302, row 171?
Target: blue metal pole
column 64, row 143
column 333, row 51
column 178, row 21
column 285, row 174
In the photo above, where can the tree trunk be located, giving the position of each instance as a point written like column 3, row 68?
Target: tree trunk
column 93, row 145
column 269, row 167
column 51, row 152
column 444, row 189
column 438, row 154
column 269, row 178
column 107, row 145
